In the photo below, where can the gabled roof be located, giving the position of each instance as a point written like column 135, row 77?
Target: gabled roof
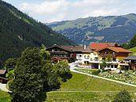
column 119, row 49
column 77, row 48
column 57, row 46
column 131, row 58
column 100, row 46
column 112, row 46
column 116, row 49
column 2, row 72
column 72, row 48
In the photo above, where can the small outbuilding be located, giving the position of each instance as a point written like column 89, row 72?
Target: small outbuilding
column 132, row 62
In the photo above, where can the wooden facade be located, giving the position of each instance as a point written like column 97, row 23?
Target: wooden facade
column 67, row 52
column 3, row 78
column 59, row 53
column 107, row 52
column 132, row 62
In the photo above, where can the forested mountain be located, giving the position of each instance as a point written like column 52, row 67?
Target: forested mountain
column 119, row 29
column 131, row 44
column 18, row 31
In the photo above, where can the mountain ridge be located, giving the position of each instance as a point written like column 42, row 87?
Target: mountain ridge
column 98, row 29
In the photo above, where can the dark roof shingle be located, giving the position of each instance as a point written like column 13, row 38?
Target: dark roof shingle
column 73, row 48
column 131, row 58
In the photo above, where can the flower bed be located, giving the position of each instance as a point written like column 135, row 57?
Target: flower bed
column 127, row 76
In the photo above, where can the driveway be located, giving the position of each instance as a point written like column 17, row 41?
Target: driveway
column 3, row 87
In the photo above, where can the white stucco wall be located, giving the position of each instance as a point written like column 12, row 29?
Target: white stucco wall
column 83, row 57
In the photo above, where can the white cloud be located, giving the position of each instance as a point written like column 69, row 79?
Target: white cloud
column 54, row 10
column 47, row 7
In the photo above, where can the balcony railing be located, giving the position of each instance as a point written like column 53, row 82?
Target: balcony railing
column 100, row 61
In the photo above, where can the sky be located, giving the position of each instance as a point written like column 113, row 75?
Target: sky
column 58, row 10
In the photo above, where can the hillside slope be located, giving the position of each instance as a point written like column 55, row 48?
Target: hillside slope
column 82, row 88
column 133, row 51
column 119, row 29
column 18, row 31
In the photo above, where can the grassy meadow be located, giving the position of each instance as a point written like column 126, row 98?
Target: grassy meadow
column 4, row 97
column 82, row 88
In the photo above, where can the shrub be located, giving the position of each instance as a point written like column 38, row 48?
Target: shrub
column 10, row 75
column 63, row 70
column 123, row 96
column 96, row 72
column 10, row 63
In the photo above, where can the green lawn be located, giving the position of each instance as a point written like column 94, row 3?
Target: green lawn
column 83, row 96
column 81, row 82
column 82, row 88
column 4, row 97
column 127, row 77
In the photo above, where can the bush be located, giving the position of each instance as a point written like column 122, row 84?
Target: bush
column 10, row 63
column 63, row 70
column 123, row 96
column 96, row 72
column 10, row 75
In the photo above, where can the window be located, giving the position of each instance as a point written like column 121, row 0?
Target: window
column 96, row 58
column 108, row 66
column 114, row 59
column 103, row 59
column 86, row 62
column 116, row 66
column 56, row 49
column 88, row 57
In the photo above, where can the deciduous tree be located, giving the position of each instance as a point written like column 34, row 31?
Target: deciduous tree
column 63, row 70
column 28, row 83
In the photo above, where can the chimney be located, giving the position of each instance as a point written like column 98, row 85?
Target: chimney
column 84, row 47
